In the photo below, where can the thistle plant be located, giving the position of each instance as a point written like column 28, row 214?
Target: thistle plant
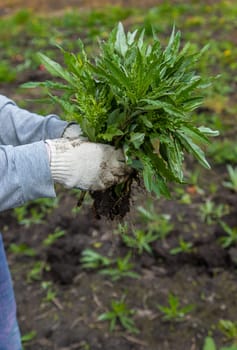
column 138, row 96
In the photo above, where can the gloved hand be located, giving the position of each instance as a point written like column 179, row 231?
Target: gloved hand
column 86, row 165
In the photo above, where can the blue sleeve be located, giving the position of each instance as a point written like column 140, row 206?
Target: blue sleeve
column 20, row 127
column 25, row 174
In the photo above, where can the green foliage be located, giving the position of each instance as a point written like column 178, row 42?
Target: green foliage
column 183, row 247
column 174, row 312
column 123, row 268
column 93, row 260
column 209, row 344
column 229, row 329
column 223, row 151
column 158, row 224
column 36, row 272
column 22, row 249
column 7, row 73
column 114, row 268
column 211, row 212
column 119, row 313
column 52, row 237
column 28, row 337
column 232, row 183
column 137, row 96
column 140, row 240
column 231, row 235
column 34, row 212
column 50, row 292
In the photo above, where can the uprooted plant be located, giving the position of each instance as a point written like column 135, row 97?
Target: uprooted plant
column 137, row 96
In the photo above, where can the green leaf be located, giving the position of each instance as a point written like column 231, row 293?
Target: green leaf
column 208, row 132
column 147, row 177
column 137, row 139
column 192, row 148
column 209, row 344
column 121, row 41
column 55, row 68
column 110, row 133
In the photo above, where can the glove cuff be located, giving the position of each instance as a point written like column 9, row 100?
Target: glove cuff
column 59, row 160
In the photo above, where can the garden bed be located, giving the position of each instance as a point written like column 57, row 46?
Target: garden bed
column 60, row 301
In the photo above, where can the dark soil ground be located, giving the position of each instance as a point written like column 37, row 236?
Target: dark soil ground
column 204, row 277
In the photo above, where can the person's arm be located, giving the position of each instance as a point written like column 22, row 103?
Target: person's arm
column 24, row 174
column 19, row 126
column 29, row 171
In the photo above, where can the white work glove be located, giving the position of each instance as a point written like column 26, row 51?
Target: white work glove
column 72, row 131
column 86, row 165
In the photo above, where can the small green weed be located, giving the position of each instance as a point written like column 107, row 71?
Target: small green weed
column 157, row 223
column 35, row 211
column 123, row 268
column 211, row 212
column 183, row 247
column 26, row 338
column 223, row 151
column 93, row 260
column 140, row 240
column 36, row 272
column 231, row 237
column 22, row 249
column 229, row 329
column 119, row 312
column 174, row 312
column 232, row 183
column 50, row 292
column 52, row 237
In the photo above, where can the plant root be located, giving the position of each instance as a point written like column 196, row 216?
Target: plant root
column 112, row 204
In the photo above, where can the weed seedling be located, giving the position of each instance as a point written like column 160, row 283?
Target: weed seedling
column 26, row 338
column 174, row 312
column 140, row 240
column 229, row 329
column 183, row 247
column 119, row 312
column 50, row 292
column 35, row 274
column 123, row 268
column 210, row 212
column 93, row 260
column 230, row 238
column 22, row 249
column 157, row 223
column 52, row 237
column 232, row 183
